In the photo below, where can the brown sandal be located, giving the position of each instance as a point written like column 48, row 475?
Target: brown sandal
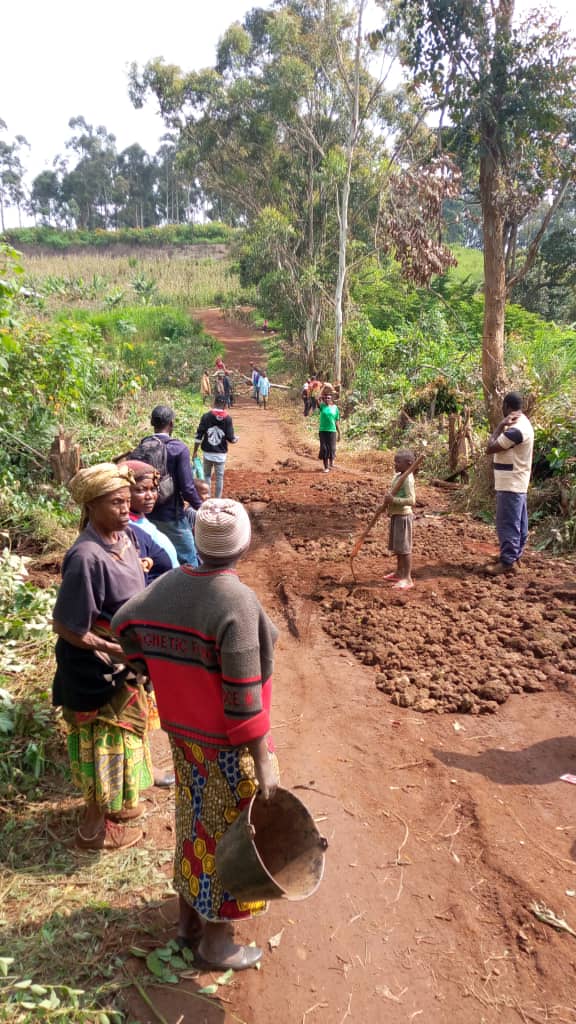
column 111, row 837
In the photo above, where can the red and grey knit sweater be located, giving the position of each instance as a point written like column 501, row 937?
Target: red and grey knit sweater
column 208, row 647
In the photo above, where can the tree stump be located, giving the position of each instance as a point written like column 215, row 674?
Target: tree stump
column 459, row 444
column 64, row 457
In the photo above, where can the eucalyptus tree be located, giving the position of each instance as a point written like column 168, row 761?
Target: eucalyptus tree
column 508, row 89
column 179, row 195
column 135, row 177
column 291, row 134
column 12, row 172
column 89, row 184
column 46, row 197
column 256, row 129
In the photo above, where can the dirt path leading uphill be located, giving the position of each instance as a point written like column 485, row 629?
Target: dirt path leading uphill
column 443, row 829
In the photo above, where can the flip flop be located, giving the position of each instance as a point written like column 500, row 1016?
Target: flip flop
column 165, row 781
column 245, row 957
column 403, row 585
column 391, row 576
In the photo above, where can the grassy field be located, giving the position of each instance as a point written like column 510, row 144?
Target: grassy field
column 92, row 279
column 470, row 265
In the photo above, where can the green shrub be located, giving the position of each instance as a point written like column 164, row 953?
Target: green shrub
column 158, row 344
column 168, row 235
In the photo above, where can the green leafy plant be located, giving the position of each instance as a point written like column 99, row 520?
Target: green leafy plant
column 145, row 288
column 29, row 1000
column 169, row 963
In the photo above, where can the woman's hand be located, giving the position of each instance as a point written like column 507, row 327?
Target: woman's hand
column 267, row 775
column 265, row 767
column 90, row 642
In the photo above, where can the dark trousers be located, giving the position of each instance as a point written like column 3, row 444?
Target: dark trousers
column 511, row 525
column 327, row 447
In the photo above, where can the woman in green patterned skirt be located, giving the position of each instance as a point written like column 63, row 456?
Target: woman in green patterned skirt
column 103, row 702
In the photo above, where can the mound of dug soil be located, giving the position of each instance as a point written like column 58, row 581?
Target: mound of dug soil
column 465, row 655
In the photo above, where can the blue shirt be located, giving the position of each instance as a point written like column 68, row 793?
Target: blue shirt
column 179, row 468
column 161, row 539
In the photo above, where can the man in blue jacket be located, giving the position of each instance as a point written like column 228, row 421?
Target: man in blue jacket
column 169, row 515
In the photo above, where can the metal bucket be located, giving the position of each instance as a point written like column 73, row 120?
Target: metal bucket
column 272, row 851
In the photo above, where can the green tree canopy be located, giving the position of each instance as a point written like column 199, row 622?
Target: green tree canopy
column 267, row 133
column 508, row 89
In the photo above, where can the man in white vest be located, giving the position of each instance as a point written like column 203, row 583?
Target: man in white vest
column 512, row 445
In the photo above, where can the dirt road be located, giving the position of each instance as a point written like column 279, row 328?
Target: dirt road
column 443, row 829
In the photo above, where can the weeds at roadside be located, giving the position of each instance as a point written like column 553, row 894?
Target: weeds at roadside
column 67, row 921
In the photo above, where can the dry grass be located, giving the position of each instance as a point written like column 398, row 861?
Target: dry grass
column 179, row 279
column 67, row 919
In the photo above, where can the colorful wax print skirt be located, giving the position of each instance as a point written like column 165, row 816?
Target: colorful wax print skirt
column 109, row 754
column 212, row 788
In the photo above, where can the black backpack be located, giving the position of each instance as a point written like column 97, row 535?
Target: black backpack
column 153, row 451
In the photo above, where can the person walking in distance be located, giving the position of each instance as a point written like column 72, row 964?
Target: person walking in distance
column 228, row 390
column 205, row 387
column 329, row 430
column 263, row 389
column 215, row 432
column 511, row 444
column 255, row 382
column 171, row 457
column 305, row 396
column 314, row 393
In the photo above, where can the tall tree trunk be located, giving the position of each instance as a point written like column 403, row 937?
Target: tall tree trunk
column 493, row 370
column 493, row 222
column 311, row 330
column 344, row 201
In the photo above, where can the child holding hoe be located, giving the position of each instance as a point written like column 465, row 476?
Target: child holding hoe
column 400, row 507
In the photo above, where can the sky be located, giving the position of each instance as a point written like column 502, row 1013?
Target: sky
column 70, row 58
column 63, row 59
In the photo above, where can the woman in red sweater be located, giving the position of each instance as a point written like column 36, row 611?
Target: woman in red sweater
column 208, row 647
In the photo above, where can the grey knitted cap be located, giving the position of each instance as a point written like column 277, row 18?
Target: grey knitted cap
column 222, row 528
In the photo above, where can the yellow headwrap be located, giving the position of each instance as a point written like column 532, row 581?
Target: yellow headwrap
column 91, row 483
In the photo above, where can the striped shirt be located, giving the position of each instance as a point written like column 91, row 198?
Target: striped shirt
column 512, row 466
